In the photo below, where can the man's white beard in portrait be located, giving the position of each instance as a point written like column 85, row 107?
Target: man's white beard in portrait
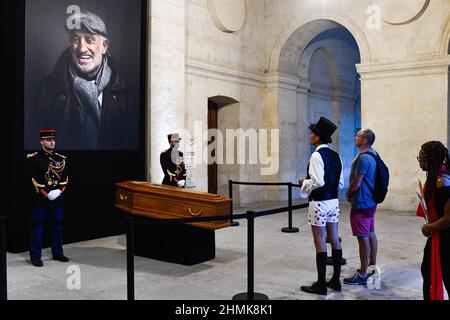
column 91, row 66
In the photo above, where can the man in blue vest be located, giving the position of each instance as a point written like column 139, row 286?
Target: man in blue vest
column 321, row 185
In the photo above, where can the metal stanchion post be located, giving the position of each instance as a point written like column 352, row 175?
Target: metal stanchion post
column 3, row 275
column 290, row 229
column 230, row 194
column 130, row 257
column 250, row 294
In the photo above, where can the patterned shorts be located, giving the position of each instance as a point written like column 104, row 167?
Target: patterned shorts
column 322, row 212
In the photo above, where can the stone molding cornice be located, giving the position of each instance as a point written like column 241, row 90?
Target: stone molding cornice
column 222, row 73
column 332, row 94
column 303, row 86
column 367, row 71
column 397, row 69
column 287, row 82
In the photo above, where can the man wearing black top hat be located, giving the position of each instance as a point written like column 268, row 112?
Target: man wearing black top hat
column 172, row 163
column 321, row 186
column 49, row 178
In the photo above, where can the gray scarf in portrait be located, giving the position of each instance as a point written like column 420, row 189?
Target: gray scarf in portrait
column 87, row 93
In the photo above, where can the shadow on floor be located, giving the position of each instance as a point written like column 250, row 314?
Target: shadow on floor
column 108, row 258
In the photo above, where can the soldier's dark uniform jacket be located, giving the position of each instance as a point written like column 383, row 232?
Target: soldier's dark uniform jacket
column 48, row 172
column 173, row 171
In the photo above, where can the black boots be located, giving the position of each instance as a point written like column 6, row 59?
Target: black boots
column 315, row 288
column 335, row 282
column 61, row 258
column 335, row 285
column 37, row 263
column 319, row 287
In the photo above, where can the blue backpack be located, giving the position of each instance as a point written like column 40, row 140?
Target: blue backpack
column 381, row 179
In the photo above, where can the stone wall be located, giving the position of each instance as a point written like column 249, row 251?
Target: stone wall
column 245, row 50
column 167, row 63
column 403, row 74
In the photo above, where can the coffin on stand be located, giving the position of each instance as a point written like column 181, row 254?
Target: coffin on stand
column 187, row 243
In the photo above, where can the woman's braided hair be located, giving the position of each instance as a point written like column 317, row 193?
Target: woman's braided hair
column 436, row 155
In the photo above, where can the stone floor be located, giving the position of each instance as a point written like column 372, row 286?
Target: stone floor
column 283, row 262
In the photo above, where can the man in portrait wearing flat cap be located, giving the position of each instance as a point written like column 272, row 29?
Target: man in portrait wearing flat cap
column 85, row 97
column 172, row 163
column 324, row 179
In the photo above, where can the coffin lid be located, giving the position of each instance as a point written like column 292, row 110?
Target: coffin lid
column 169, row 191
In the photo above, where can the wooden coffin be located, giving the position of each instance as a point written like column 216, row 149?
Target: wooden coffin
column 167, row 202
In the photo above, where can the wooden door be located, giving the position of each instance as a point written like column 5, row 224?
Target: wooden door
column 212, row 168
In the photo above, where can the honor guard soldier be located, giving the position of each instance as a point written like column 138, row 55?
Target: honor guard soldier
column 172, row 163
column 49, row 178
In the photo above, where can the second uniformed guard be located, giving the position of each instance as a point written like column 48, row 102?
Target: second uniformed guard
column 50, row 179
column 172, row 163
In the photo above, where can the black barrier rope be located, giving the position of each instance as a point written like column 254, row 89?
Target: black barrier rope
column 250, row 216
column 289, row 228
column 261, row 183
column 145, row 221
column 3, row 270
column 217, row 218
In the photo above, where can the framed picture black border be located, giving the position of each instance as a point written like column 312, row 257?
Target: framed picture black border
column 89, row 211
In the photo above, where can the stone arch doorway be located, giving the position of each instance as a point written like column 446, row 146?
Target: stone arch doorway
column 316, row 76
column 335, row 88
column 223, row 114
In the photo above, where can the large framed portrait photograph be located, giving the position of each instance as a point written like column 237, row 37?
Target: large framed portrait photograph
column 82, row 73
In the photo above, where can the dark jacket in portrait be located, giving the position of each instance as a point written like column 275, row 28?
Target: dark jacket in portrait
column 174, row 169
column 57, row 107
column 48, row 172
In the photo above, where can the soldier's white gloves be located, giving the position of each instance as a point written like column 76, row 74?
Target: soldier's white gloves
column 181, row 183
column 52, row 195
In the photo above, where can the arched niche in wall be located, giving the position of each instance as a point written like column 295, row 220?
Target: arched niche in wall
column 228, row 16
